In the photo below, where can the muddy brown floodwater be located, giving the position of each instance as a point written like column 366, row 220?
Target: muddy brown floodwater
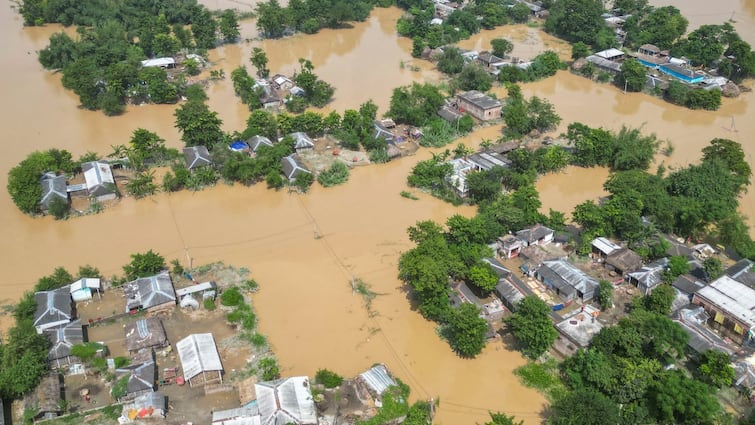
column 306, row 305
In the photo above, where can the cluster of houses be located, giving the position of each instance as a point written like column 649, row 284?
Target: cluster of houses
column 99, row 184
column 444, row 8
column 717, row 315
column 484, row 160
column 662, row 65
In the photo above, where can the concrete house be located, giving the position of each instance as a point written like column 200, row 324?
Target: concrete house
column 53, row 309
column 150, row 293
column 485, row 161
column 509, row 246
column 53, row 187
column 100, row 183
column 450, row 114
column 458, row 177
column 197, row 156
column 61, row 341
column 567, row 280
column 479, row 105
column 535, row 235
column 292, row 167
column 731, row 307
column 743, row 272
column 649, row 49
column 613, row 55
column 489, row 60
column 285, row 401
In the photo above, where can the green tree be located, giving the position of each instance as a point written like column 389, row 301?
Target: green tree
column 632, row 75
column 501, row 47
column 259, row 60
column 661, row 27
column 584, row 407
column 482, row 276
column 337, row 173
column 24, row 184
column 731, row 154
column 605, row 295
column 451, row 61
column 141, row 185
column 60, row 52
column 532, row 326
column 59, row 278
column 714, row 367
column 418, row 46
column 229, row 26
column 502, row 419
column 520, row 12
column 660, row 300
column 713, row 268
column 144, row 264
column 328, row 378
column 261, row 123
column 576, row 20
column 580, row 50
column 678, row 265
column 204, row 27
column 466, row 330
column 198, row 124
column 474, row 77
column 675, row 398
column 416, row 104
column 269, row 369
column 272, row 19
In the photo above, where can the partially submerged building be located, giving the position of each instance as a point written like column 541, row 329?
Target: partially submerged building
column 100, row 182
column 164, row 63
column 200, row 360
column 458, row 177
column 53, row 309
column 53, row 187
column 568, row 281
column 292, row 167
column 285, row 401
column 485, row 161
column 376, row 380
column 302, row 141
column 150, row 293
column 381, row 132
column 731, row 306
column 62, row 339
column 145, row 333
column 255, row 142
column 479, row 105
column 197, row 156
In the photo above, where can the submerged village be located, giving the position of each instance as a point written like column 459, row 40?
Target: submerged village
column 634, row 308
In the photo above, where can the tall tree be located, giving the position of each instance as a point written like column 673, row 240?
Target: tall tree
column 229, row 26
column 259, row 60
column 466, row 330
column 198, row 124
column 532, row 326
column 204, row 29
column 632, row 75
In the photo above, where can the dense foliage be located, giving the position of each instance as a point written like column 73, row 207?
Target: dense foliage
column 144, row 264
column 693, row 98
column 328, row 378
column 543, row 65
column 103, row 64
column 24, row 180
column 580, row 20
column 523, row 116
column 337, row 173
column 416, row 104
column 532, row 326
column 660, row 26
column 309, row 16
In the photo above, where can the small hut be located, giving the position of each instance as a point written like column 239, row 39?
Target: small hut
column 145, row 333
column 200, row 360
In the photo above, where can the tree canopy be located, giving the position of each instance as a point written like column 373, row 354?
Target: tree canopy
column 532, row 326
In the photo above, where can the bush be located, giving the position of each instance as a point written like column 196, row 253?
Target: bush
column 209, row 304
column 231, row 297
column 269, row 369
column 328, row 378
column 338, row 173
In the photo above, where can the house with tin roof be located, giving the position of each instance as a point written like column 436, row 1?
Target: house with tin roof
column 200, row 360
column 377, row 380
column 255, row 142
column 141, row 379
column 479, row 105
column 150, row 293
column 54, row 309
column 535, row 235
column 292, row 167
column 649, row 276
column 197, row 156
column 100, row 182
column 62, row 339
column 742, row 271
column 53, row 187
column 568, row 281
column 302, row 141
column 145, row 333
column 285, row 401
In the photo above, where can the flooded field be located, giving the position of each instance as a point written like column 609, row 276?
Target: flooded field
column 306, row 305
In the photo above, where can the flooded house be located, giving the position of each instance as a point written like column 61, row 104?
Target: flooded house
column 53, row 187
column 62, row 339
column 479, row 105
column 200, row 360
column 490, row 61
column 731, row 307
column 376, row 380
column 255, row 142
column 100, row 183
column 150, row 293
column 381, row 132
column 45, row 401
column 458, row 177
column 450, row 114
column 197, row 156
column 604, row 64
column 612, row 54
column 141, row 379
column 191, row 295
column 145, row 333
column 485, row 161
column 163, row 62
column 54, row 309
column 82, row 289
column 292, row 167
column 281, row 82
column 286, row 401
column 567, row 281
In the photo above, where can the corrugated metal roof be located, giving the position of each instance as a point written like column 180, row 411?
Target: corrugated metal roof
column 161, row 62
column 286, row 401
column 734, row 298
column 62, row 339
column 53, row 308
column 378, row 379
column 605, row 246
column 240, row 413
column 572, row 276
column 198, row 354
column 204, row 286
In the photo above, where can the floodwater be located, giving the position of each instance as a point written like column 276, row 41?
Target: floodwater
column 304, row 250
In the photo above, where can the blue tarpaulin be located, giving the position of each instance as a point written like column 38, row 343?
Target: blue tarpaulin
column 238, row 145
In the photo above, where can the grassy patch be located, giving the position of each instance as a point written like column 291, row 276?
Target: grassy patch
column 409, row 195
column 363, row 289
column 543, row 377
